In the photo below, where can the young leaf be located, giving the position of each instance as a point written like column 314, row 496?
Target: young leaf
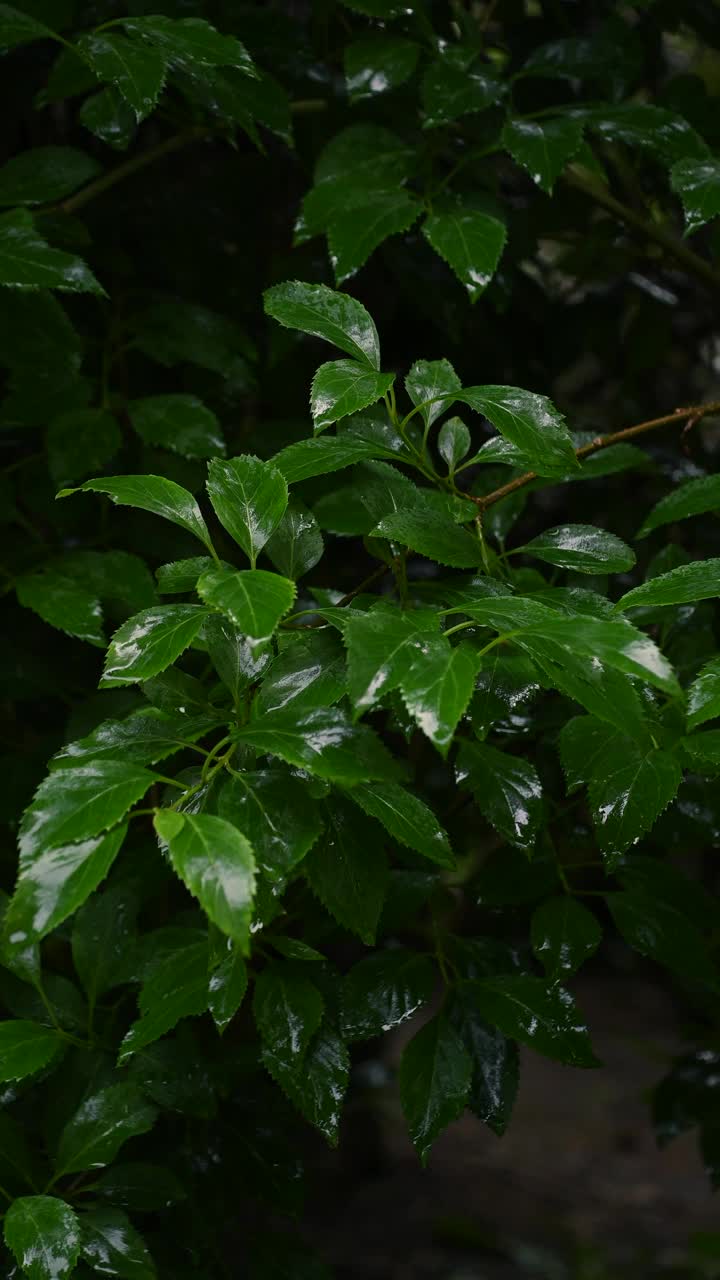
column 28, row 262
column 506, row 790
column 348, row 870
column 582, row 548
column 318, row 1083
column 112, row 1246
column 277, row 815
column 45, row 174
column 51, row 886
column 543, row 147
column 495, row 1066
column 434, row 381
column 384, row 990
column 704, row 695
column 697, row 182
column 341, row 387
column 26, row 1047
column 693, row 498
column 453, row 442
column 435, row 1078
column 181, row 423
column 103, row 1122
column 151, row 641
column 360, row 225
column 151, row 493
column 288, row 1010
column 325, row 313
column 43, row 1232
column 216, row 863
column 177, row 988
column 136, row 71
column 74, row 805
column 684, row 585
column 438, row 687
column 378, row 63
column 407, row 819
column 296, row 545
column 541, row 1016
column 253, row 599
column 322, row 741
column 249, row 497
column 529, row 421
column 564, row 934
column 470, row 242
column 433, row 535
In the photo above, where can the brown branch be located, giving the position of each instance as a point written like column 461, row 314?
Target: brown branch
column 694, row 413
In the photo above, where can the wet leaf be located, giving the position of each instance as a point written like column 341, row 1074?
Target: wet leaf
column 435, row 1079
column 216, row 863
column 151, row 641
column 407, row 818
column 254, row 600
column 542, row 1016
column 113, row 1247
column 26, row 1047
column 582, row 548
column 383, row 990
column 42, row 1232
column 274, row 811
column 101, row 1125
column 249, row 497
column 564, row 935
column 506, row 790
column 341, row 387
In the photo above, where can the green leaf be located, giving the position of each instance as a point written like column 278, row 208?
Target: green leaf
column 495, row 1066
column 348, row 870
column 112, row 1246
column 20, row 28
column 27, row 261
column 357, row 160
column 51, row 886
column 144, row 1188
column 384, row 990
column 453, row 442
column 381, row 649
column 297, row 544
column 73, row 805
column 325, row 313
column 26, row 1047
column 378, row 63
column 582, row 548
column 650, row 128
column 321, row 740
column 288, row 1010
column 178, row 422
column 63, row 603
column 216, row 863
column 658, row 929
column 693, row 498
column 529, row 421
column 543, row 147
column 438, row 687
column 456, row 84
column 320, row 457
column 45, row 174
column 104, row 941
column 564, row 935
column 470, row 242
column 506, row 790
column 143, row 738
column 697, row 182
column 407, row 819
column 110, row 117
column 42, row 1232
column 433, row 535
column 175, row 331
column 341, row 387
column 364, row 222
column 253, row 599
column 137, row 72
column 80, row 441
column 309, row 673
column 433, row 380
column 226, row 987
column 276, row 813
column 542, row 1016
column 699, row 580
column 703, row 749
column 103, row 1122
column 249, row 497
column 191, row 42
column 182, row 575
column 151, row 493
column 704, row 695
column 435, row 1076
column 236, row 659
column 149, row 642
column 317, row 1085
column 176, row 988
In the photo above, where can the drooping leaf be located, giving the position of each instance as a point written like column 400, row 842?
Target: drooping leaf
column 26, row 1047
column 227, row 985
column 529, row 421
column 151, row 493
column 151, row 641
column 74, row 805
column 288, row 1010
column 318, row 1083
column 383, row 990
column 583, row 548
column 176, row 988
column 276, row 814
column 704, row 695
column 694, row 498
column 453, row 442
column 112, row 1246
column 216, row 863
column 543, row 147
column 103, row 1122
column 407, row 818
column 471, row 243
column 347, row 870
column 506, row 789
column 699, row 580
column 378, row 63
column 253, row 599
column 495, row 1066
column 43, row 1232
column 325, row 313
column 27, row 261
column 435, row 1078
column 181, row 423
column 181, row 575
column 237, row 660
column 360, row 225
column 542, row 1016
column 564, row 934
column 104, row 941
column 341, row 387
column 249, row 497
column 324, row 741
column 697, row 182
column 427, row 380
column 45, row 174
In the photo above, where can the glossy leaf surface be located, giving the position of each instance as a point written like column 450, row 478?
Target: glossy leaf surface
column 181, row 423
column 697, row 182
column 435, row 1078
column 253, row 599
column 541, row 1016
column 43, row 1232
column 100, row 1126
column 384, row 990
column 276, row 814
column 27, row 261
column 151, row 493
column 529, row 421
column 249, row 497
column 325, row 313
column 470, row 242
column 582, row 548
column 322, row 741
column 151, row 641
column 407, row 818
column 342, row 387
column 25, row 1047
column 216, row 863
column 76, row 804
column 543, row 147
column 506, row 789
column 45, row 174
column 693, row 498
column 564, row 934
column 348, row 871
column 112, row 1246
column 689, row 582
column 288, row 1010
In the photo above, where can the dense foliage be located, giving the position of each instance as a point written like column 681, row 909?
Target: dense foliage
column 315, row 720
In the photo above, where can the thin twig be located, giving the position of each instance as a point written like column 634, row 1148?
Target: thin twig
column 122, row 171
